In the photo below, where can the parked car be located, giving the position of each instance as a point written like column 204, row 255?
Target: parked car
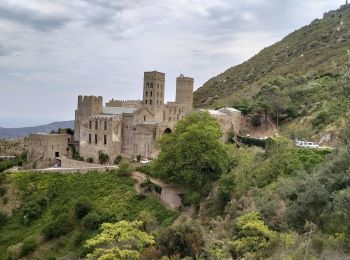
column 305, row 144
column 145, row 161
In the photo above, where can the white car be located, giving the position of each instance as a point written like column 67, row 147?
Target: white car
column 305, row 144
column 145, row 161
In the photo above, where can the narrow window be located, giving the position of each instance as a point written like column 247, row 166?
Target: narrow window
column 150, row 102
column 90, row 124
column 157, row 94
column 96, row 125
column 146, row 101
column 146, row 93
column 105, row 139
column 95, row 139
column 151, row 85
column 89, row 138
column 169, row 118
column 105, row 125
column 157, row 101
column 151, row 93
column 144, row 118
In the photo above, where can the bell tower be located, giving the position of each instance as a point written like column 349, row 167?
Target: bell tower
column 153, row 89
column 184, row 92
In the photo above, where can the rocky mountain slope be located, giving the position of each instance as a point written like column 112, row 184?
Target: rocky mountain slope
column 24, row 131
column 310, row 67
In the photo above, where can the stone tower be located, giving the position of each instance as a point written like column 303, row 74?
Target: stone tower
column 184, row 92
column 87, row 106
column 153, row 89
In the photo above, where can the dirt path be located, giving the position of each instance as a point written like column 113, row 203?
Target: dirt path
column 169, row 196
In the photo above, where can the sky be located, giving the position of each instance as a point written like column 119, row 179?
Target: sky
column 51, row 51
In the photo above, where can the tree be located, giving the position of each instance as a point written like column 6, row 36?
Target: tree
column 121, row 240
column 271, row 99
column 252, row 236
column 193, row 155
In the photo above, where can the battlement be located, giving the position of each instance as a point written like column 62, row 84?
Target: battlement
column 88, row 99
column 124, row 103
column 154, row 75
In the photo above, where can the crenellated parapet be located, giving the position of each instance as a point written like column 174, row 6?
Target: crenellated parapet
column 124, row 103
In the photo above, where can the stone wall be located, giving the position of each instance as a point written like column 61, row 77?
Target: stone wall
column 43, row 148
column 100, row 134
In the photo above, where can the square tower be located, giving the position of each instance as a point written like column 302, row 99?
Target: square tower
column 153, row 89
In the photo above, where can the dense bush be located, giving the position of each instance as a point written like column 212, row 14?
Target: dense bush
column 59, row 226
column 184, row 240
column 29, row 246
column 252, row 141
column 118, row 159
column 32, row 210
column 82, row 207
column 103, row 157
column 256, row 120
column 3, row 218
column 92, row 221
column 6, row 164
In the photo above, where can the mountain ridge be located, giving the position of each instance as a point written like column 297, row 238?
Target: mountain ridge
column 16, row 132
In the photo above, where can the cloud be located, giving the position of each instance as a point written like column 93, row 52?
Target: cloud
column 32, row 18
column 4, row 51
column 102, row 47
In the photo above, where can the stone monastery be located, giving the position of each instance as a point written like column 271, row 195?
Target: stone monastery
column 130, row 128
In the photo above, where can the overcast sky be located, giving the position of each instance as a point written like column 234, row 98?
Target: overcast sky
column 53, row 50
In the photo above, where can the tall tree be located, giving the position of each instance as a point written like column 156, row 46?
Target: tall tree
column 193, row 155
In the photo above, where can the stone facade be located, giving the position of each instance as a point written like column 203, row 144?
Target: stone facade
column 44, row 148
column 230, row 120
column 131, row 127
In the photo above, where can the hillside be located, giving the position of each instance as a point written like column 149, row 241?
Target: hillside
column 45, row 216
column 24, row 131
column 311, row 67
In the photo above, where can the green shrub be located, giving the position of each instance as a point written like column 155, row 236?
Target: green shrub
column 118, row 159
column 103, row 157
column 252, row 141
column 256, row 120
column 29, row 246
column 60, row 226
column 5, row 200
column 31, row 211
column 3, row 219
column 2, row 191
column 124, row 168
column 92, row 221
column 82, row 207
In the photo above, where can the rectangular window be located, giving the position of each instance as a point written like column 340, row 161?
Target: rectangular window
column 146, row 93
column 95, row 139
column 150, row 102
column 89, row 138
column 96, row 125
column 105, row 139
column 90, row 124
column 151, row 93
column 105, row 126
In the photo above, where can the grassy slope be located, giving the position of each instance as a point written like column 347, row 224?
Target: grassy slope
column 108, row 192
column 317, row 53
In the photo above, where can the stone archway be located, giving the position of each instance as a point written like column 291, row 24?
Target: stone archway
column 167, row 131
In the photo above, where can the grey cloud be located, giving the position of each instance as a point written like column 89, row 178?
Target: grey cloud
column 31, row 18
column 4, row 51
